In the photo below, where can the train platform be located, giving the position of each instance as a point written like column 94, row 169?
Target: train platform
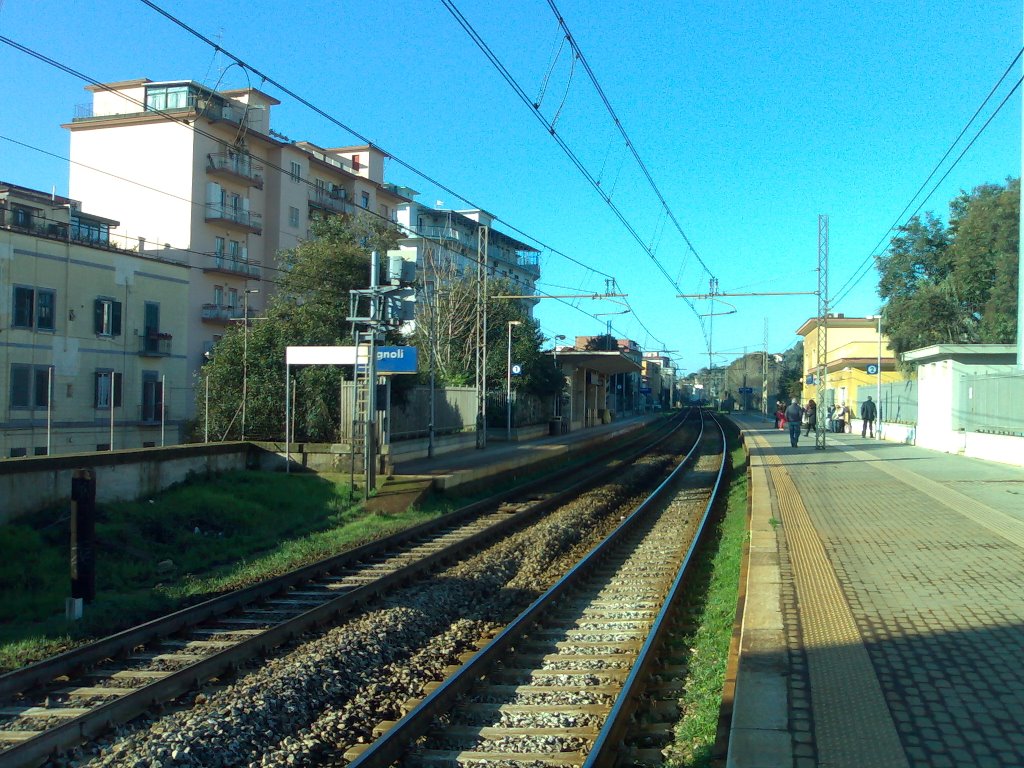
column 410, row 481
column 883, row 614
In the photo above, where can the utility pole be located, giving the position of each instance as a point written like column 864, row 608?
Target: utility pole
column 481, row 336
column 822, row 374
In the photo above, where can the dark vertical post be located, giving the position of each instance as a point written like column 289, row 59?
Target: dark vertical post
column 83, row 535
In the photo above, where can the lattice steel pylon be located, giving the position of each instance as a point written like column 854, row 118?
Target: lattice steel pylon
column 822, row 372
column 481, row 336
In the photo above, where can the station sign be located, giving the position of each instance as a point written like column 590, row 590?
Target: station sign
column 746, row 390
column 396, row 360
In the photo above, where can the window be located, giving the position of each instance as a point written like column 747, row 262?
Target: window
column 355, row 163
column 103, row 382
column 218, row 246
column 232, row 297
column 218, row 295
column 366, row 199
column 296, row 173
column 293, row 216
column 30, row 386
column 24, row 303
column 87, row 231
column 167, row 97
column 107, row 317
column 34, row 308
column 233, row 247
column 152, row 396
column 18, row 453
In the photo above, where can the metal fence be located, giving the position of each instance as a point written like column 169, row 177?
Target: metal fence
column 992, row 402
column 454, row 411
column 899, row 402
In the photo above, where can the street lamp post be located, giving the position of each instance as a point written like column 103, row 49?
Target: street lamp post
column 561, row 378
column 245, row 351
column 878, row 394
column 508, row 383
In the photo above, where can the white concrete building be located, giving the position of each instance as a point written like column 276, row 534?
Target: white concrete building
column 204, row 171
column 448, row 242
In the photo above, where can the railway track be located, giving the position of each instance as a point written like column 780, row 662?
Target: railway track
column 55, row 704
column 559, row 686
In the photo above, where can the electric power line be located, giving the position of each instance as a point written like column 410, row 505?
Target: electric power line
column 865, row 267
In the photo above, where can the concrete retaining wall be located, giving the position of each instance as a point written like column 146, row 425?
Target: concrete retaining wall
column 33, row 484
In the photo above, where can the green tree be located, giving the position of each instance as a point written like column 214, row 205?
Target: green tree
column 956, row 283
column 310, row 308
column 447, row 325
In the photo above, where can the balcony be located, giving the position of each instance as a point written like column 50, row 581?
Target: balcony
column 220, row 313
column 232, row 266
column 235, row 165
column 330, row 199
column 448, row 233
column 234, row 218
column 155, row 345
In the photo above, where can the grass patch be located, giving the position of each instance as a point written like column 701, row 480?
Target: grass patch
column 706, row 646
column 219, row 535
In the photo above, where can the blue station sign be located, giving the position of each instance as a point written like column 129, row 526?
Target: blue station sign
column 396, row 360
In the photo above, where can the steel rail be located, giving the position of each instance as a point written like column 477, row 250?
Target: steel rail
column 617, row 724
column 391, row 746
column 108, row 714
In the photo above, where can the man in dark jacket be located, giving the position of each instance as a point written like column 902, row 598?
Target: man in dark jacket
column 794, row 415
column 867, row 417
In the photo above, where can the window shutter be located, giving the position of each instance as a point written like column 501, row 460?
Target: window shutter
column 117, row 390
column 115, row 322
column 96, row 390
column 97, row 316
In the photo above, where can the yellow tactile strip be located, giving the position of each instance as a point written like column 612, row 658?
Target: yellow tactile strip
column 853, row 725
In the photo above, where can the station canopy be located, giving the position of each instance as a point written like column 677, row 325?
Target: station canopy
column 603, row 362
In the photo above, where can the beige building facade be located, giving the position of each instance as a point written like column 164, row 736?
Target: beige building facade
column 855, row 347
column 92, row 339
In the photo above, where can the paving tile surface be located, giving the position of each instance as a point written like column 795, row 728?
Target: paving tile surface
column 905, row 566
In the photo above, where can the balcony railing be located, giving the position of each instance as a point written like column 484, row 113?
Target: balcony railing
column 252, row 222
column 155, row 345
column 332, row 200
column 221, row 313
column 234, row 266
column 237, row 164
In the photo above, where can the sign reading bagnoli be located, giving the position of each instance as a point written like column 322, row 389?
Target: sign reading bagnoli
column 396, row 359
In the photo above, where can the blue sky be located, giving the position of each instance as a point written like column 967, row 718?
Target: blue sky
column 753, row 119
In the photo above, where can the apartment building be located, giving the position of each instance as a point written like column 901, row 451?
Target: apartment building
column 92, row 342
column 205, row 171
column 448, row 243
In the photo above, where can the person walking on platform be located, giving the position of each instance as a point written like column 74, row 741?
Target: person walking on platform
column 810, row 416
column 868, row 412
column 794, row 415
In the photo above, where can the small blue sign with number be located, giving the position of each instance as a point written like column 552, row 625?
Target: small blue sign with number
column 873, row 369
column 517, row 369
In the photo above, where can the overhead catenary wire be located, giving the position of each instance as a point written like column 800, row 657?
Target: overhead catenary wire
column 622, row 130
column 191, row 126
column 518, row 89
column 865, row 266
column 263, row 279
column 335, row 121
column 188, row 125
